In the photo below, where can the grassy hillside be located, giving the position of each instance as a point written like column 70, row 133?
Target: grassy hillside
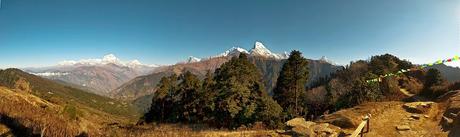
column 32, row 116
column 64, row 95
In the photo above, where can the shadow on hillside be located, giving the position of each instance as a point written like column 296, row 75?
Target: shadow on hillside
column 17, row 129
column 454, row 133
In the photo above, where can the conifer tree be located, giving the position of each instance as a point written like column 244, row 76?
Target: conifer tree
column 291, row 84
column 241, row 93
column 162, row 102
column 189, row 97
column 209, row 95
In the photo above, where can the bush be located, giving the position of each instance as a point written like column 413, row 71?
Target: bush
column 71, row 111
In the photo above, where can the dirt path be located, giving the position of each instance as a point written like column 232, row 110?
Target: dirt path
column 385, row 123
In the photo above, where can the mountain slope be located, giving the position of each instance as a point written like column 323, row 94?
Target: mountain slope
column 98, row 75
column 144, row 85
column 269, row 63
column 63, row 95
column 35, row 115
column 139, row 90
column 452, row 74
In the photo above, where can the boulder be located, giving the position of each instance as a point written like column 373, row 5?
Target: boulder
column 304, row 132
column 453, row 105
column 300, row 127
column 418, row 107
column 402, row 127
column 452, row 112
column 342, row 121
column 5, row 131
column 299, row 122
column 415, row 116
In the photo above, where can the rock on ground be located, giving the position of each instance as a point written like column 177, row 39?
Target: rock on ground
column 418, row 107
column 301, row 127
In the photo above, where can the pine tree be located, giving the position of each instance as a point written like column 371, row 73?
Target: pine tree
column 433, row 78
column 209, row 96
column 291, row 84
column 189, row 97
column 160, row 109
column 241, row 93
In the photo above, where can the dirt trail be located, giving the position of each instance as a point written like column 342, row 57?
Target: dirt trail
column 384, row 124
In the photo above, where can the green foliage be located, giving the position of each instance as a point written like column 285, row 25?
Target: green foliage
column 71, row 111
column 433, row 77
column 435, row 84
column 191, row 95
column 208, row 97
column 162, row 101
column 180, row 99
column 387, row 63
column 234, row 96
column 240, row 93
column 348, row 88
column 361, row 92
column 290, row 85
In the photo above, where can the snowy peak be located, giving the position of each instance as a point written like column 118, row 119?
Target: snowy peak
column 259, row 45
column 110, row 58
column 192, row 59
column 232, row 51
column 260, row 50
column 107, row 59
column 325, row 59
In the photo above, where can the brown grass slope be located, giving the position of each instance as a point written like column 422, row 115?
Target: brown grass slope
column 61, row 94
column 30, row 104
column 28, row 115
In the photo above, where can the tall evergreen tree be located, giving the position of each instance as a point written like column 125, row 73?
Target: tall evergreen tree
column 209, row 96
column 291, row 84
column 433, row 77
column 241, row 93
column 162, row 101
column 188, row 97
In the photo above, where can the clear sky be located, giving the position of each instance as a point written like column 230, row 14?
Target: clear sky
column 43, row 32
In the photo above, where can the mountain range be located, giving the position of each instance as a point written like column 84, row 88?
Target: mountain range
column 99, row 76
column 110, row 76
column 141, row 88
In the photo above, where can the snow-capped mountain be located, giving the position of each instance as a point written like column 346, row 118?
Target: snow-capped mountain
column 268, row 62
column 192, row 59
column 232, row 52
column 258, row 50
column 107, row 59
column 325, row 59
column 99, row 75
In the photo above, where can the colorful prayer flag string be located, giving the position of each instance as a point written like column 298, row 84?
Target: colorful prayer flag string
column 379, row 79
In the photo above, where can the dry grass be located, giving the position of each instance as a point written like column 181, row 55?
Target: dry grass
column 32, row 116
column 180, row 130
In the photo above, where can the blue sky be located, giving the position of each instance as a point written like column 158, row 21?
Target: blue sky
column 43, row 32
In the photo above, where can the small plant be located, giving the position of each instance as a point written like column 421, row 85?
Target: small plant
column 71, row 111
